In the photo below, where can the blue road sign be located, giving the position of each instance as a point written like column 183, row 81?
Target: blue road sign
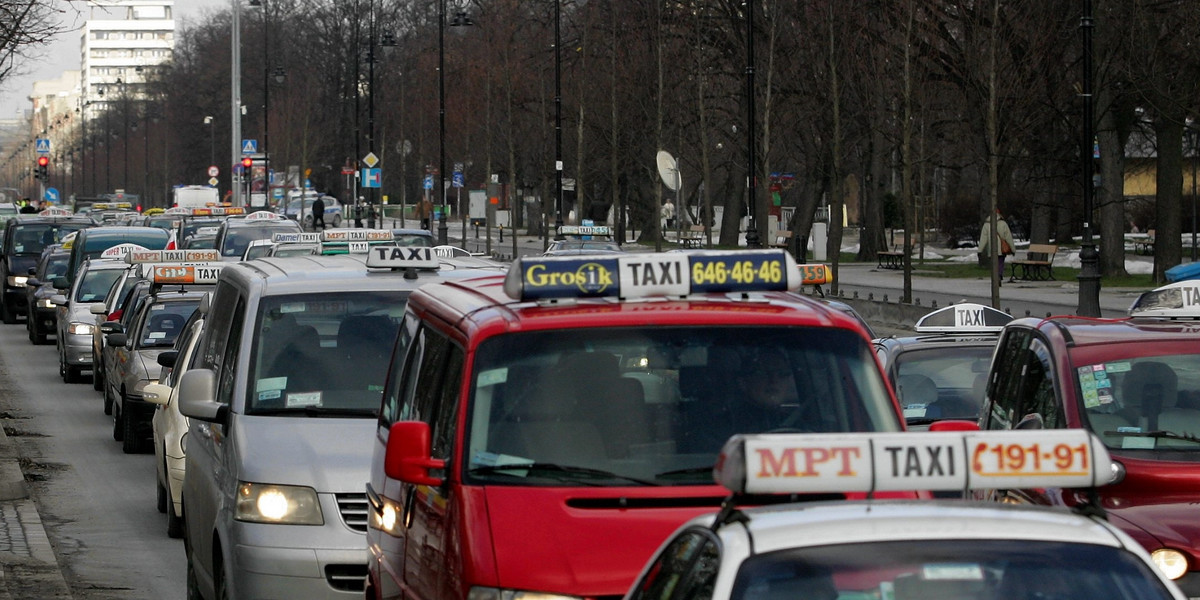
column 370, row 178
column 458, row 179
column 43, row 145
column 429, row 182
column 51, row 195
column 249, row 146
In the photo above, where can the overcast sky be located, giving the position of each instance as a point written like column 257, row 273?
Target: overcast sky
column 63, row 54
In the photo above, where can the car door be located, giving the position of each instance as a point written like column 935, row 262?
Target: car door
column 118, row 369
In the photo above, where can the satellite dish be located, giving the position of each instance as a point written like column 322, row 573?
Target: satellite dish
column 668, row 169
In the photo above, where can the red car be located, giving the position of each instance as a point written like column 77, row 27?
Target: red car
column 1134, row 382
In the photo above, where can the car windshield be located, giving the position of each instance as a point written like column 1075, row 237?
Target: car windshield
column 32, row 238
column 943, row 382
column 253, row 252
column 55, row 266
column 584, row 245
column 165, row 322
column 206, row 242
column 191, row 226
column 294, row 250
column 237, row 239
column 1144, row 403
column 959, row 569
column 413, row 240
column 323, row 353
column 656, row 404
column 95, row 284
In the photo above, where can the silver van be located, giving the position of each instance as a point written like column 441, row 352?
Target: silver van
column 282, row 401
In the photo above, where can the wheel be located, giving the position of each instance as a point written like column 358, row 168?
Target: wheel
column 108, row 401
column 98, row 378
column 62, row 367
column 174, row 523
column 193, row 588
column 7, row 313
column 308, row 221
column 161, row 502
column 72, row 374
column 219, row 581
column 130, row 442
column 118, row 431
column 337, row 220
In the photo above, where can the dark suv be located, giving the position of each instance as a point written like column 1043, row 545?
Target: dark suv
column 24, row 239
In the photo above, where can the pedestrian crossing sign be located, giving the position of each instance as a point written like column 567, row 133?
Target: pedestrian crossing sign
column 43, row 145
column 249, row 146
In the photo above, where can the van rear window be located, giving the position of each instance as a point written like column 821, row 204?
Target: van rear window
column 654, row 405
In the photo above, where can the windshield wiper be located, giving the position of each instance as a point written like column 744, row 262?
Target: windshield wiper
column 568, row 470
column 1169, row 435
column 689, row 471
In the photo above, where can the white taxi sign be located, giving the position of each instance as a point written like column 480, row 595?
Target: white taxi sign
column 262, row 215
column 1179, row 300
column 55, row 211
column 144, row 256
column 207, row 231
column 295, row 238
column 120, row 250
column 396, row 257
column 585, row 230
column 185, row 274
column 178, row 210
column 357, row 235
column 647, row 275
column 965, row 317
column 931, row 461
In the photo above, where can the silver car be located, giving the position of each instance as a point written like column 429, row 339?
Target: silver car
column 75, row 321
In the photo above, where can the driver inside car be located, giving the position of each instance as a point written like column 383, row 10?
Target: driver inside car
column 769, row 400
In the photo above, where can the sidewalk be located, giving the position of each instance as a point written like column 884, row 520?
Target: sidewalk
column 28, row 568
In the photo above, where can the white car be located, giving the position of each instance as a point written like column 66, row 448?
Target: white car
column 905, row 550
column 170, row 426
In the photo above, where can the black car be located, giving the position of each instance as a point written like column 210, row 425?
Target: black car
column 40, row 321
column 24, row 239
column 940, row 373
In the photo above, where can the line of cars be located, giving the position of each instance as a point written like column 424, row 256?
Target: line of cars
column 540, row 432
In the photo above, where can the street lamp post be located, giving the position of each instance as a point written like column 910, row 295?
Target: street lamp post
column 460, row 20
column 1089, row 257
column 752, row 240
column 558, row 162
column 212, row 141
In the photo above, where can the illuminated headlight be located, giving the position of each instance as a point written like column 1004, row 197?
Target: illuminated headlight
column 17, row 280
column 1172, row 563
column 387, row 520
column 80, row 328
column 44, row 303
column 289, row 504
column 486, row 593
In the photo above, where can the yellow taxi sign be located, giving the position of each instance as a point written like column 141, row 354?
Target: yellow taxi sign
column 185, row 274
column 899, row 461
column 646, row 275
column 814, row 274
column 68, row 241
column 112, row 206
column 141, row 257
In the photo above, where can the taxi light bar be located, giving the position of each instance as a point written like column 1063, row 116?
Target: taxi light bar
column 814, row 274
column 112, row 206
column 1180, row 300
column 185, row 274
column 144, row 256
column 218, row 211
column 55, row 211
column 585, row 230
column 965, row 317
column 344, row 234
column 295, row 238
column 396, row 257
column 177, row 210
column 262, row 215
column 930, row 461
column 647, row 275
column 120, row 250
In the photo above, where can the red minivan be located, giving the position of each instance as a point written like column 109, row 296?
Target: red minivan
column 542, row 433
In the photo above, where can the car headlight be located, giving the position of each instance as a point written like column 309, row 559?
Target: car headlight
column 288, row 504
column 80, row 328
column 388, row 519
column 1172, row 563
column 17, row 280
column 44, row 303
column 487, row 593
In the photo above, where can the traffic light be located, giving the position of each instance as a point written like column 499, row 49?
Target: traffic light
column 247, row 163
column 42, row 163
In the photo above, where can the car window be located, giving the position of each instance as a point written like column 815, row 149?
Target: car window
column 95, row 285
column 164, row 322
column 685, row 569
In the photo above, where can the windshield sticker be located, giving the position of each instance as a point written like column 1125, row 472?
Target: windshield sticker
column 158, row 335
column 1100, row 375
column 914, row 410
column 1137, row 443
column 291, row 307
column 493, row 377
column 270, row 383
column 1106, row 396
column 270, row 394
column 1090, row 398
column 1118, row 367
column 1087, row 381
column 1103, row 384
column 158, row 307
column 958, row 572
column 304, row 399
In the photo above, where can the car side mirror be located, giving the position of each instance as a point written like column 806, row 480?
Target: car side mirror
column 408, row 456
column 60, row 283
column 58, row 300
column 33, row 282
column 1031, row 421
column 32, row 271
column 197, row 396
column 116, row 340
column 167, row 359
column 111, row 327
column 98, row 309
column 156, row 393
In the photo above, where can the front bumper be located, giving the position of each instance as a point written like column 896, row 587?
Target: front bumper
column 78, row 350
column 44, row 321
column 16, row 300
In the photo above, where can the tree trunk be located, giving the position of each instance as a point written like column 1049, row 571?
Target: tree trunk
column 1168, row 207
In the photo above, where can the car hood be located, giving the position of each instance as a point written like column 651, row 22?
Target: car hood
column 1172, row 523
column 146, row 363
column 329, row 455
column 81, row 312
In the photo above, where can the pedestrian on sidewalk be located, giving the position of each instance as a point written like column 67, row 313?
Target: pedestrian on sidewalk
column 1002, row 241
column 318, row 213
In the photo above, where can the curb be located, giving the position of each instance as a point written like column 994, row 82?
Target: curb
column 12, row 480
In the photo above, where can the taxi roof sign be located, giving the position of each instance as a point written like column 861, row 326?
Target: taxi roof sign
column 120, row 250
column 965, row 317
column 220, row 211
column 172, row 256
column 185, row 274
column 346, row 234
column 908, row 461
column 295, row 238
column 1179, row 300
column 178, row 210
column 585, row 230
column 55, row 211
column 397, row 257
column 261, row 215
column 649, row 275
column 112, row 206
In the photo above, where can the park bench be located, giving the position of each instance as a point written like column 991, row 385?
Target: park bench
column 891, row 259
column 782, row 239
column 1145, row 246
column 1038, row 264
column 692, row 237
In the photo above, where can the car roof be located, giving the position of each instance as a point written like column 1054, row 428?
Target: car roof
column 787, row 526
column 1085, row 331
column 26, row 219
column 343, row 272
column 104, row 263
